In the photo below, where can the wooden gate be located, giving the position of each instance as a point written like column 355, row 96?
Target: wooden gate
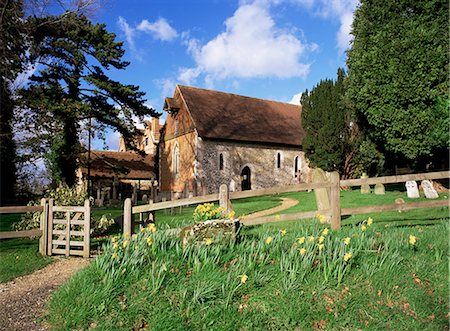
column 69, row 230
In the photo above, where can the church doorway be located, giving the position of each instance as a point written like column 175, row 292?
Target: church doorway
column 245, row 179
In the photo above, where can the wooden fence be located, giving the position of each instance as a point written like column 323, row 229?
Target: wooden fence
column 335, row 211
column 48, row 245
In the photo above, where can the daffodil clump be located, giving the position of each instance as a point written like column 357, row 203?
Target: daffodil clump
column 207, row 211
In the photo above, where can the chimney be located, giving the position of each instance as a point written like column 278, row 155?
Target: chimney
column 155, row 128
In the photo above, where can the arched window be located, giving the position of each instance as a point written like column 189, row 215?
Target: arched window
column 278, row 160
column 176, row 160
column 220, row 161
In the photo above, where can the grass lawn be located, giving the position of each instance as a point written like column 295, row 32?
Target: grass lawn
column 388, row 282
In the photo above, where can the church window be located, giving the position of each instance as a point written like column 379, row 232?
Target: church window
column 220, row 161
column 176, row 160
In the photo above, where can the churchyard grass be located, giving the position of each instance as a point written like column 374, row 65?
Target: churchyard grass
column 369, row 275
column 20, row 256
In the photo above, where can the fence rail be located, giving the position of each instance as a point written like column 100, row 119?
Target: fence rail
column 335, row 211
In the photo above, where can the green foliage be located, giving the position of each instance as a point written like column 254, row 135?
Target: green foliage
column 398, row 75
column 12, row 51
column 263, row 284
column 72, row 88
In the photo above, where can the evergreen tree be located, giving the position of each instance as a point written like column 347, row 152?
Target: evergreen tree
column 398, row 76
column 72, row 87
column 12, row 49
column 323, row 119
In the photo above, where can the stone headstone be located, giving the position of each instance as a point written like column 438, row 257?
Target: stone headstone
column 400, row 202
column 428, row 190
column 144, row 198
column 411, row 189
column 365, row 188
column 379, row 189
column 322, row 194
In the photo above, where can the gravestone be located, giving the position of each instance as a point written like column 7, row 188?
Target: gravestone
column 365, row 188
column 400, row 202
column 411, row 189
column 428, row 190
column 379, row 189
column 322, row 194
column 144, row 198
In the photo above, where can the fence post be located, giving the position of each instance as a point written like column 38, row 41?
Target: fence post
column 335, row 198
column 87, row 229
column 43, row 226
column 224, row 199
column 127, row 217
column 50, row 228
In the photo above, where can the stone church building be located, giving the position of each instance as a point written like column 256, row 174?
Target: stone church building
column 212, row 138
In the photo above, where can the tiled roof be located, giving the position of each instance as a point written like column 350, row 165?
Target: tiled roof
column 219, row 115
column 124, row 165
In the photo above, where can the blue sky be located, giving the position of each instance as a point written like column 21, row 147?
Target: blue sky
column 271, row 49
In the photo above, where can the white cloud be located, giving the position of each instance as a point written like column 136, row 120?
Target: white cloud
column 250, row 46
column 160, row 29
column 296, row 99
column 127, row 30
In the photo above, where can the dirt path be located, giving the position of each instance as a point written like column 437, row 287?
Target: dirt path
column 285, row 204
column 22, row 300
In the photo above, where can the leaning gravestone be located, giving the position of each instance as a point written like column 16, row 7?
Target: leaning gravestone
column 428, row 190
column 365, row 188
column 379, row 189
column 411, row 189
column 145, row 198
column 322, row 194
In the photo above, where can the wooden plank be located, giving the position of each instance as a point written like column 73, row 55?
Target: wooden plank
column 68, row 233
column 335, row 198
column 20, row 234
column 87, row 229
column 72, row 209
column 175, row 203
column 284, row 217
column 72, row 233
column 50, row 227
column 20, row 209
column 72, row 243
column 71, row 252
column 403, row 206
column 395, row 179
column 278, row 190
column 43, row 227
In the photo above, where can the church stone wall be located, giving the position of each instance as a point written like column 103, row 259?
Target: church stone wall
column 261, row 159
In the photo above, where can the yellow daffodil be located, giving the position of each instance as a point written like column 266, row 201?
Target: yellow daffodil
column 277, row 217
column 115, row 255
column 369, row 221
column 302, row 251
column 322, row 218
column 347, row 257
column 320, row 247
column 283, row 232
column 230, row 215
column 152, row 227
column 269, row 240
column 321, row 239
column 325, row 232
column 114, row 239
column 310, row 239
column 347, row 240
column 115, row 245
column 125, row 243
column 363, row 228
column 149, row 241
column 243, row 279
column 142, row 230
column 301, row 240
column 412, row 240
column 208, row 241
column 127, row 235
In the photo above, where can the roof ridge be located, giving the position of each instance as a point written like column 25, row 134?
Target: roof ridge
column 238, row 95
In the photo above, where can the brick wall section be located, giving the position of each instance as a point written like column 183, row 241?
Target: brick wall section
column 261, row 159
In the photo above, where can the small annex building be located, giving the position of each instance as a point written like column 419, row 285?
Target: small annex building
column 212, row 138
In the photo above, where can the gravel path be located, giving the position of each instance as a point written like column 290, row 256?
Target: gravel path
column 285, row 204
column 22, row 301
